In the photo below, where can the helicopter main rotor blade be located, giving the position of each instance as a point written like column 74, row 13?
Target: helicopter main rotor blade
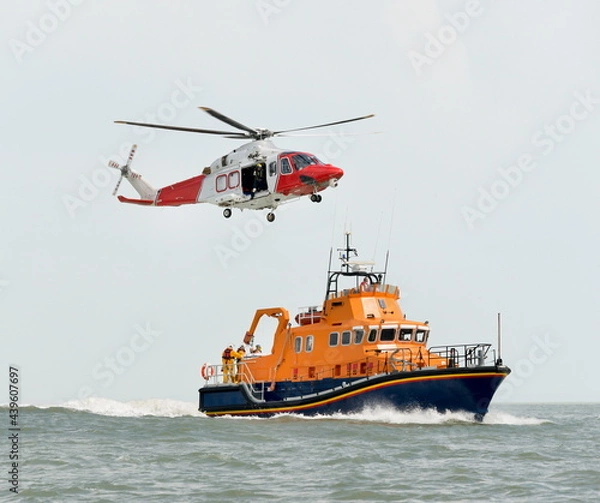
column 323, row 135
column 324, row 125
column 227, row 120
column 228, row 134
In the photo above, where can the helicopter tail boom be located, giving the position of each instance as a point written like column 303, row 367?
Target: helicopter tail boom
column 184, row 192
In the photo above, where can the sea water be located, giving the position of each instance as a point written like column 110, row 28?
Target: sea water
column 161, row 450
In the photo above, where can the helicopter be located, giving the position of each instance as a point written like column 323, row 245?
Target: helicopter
column 257, row 175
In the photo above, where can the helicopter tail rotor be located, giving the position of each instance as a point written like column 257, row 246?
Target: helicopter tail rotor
column 125, row 169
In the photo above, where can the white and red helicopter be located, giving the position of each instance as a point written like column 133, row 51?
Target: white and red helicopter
column 257, row 175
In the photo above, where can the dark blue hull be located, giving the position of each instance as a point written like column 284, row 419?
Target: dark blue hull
column 465, row 389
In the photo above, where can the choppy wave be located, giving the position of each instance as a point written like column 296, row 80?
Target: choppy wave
column 136, row 408
column 509, row 419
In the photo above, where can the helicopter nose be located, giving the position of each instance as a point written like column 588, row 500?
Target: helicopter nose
column 322, row 174
column 336, row 173
column 329, row 173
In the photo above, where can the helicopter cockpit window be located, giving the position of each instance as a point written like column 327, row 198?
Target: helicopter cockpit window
column 302, row 160
column 286, row 169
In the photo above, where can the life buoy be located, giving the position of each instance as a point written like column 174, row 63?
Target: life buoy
column 207, row 371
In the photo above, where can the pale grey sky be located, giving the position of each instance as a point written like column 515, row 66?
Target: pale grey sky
column 483, row 183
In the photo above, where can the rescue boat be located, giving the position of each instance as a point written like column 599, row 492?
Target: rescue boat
column 356, row 350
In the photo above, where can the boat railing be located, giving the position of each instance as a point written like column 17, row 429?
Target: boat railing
column 404, row 359
column 373, row 288
column 459, row 355
column 401, row 360
column 238, row 372
column 365, row 367
column 256, row 388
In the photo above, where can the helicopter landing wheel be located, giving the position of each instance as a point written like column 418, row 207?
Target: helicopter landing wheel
column 270, row 217
column 316, row 198
column 227, row 212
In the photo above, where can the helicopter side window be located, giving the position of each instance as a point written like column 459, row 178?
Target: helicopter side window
column 233, row 179
column 272, row 168
column 286, row 169
column 221, row 183
column 301, row 161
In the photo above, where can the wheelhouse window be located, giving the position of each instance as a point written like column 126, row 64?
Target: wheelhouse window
column 286, row 169
column 359, row 333
column 387, row 334
column 372, row 335
column 346, row 338
column 421, row 335
column 333, row 338
column 309, row 343
column 405, row 334
column 298, row 344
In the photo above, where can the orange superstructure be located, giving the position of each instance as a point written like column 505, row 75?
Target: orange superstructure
column 356, row 333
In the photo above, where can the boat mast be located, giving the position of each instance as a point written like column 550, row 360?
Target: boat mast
column 387, row 258
column 499, row 360
column 346, row 255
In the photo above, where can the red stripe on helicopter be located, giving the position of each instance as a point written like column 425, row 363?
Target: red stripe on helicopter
column 185, row 192
column 142, row 202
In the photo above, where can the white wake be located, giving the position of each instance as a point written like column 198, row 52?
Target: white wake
column 136, row 408
column 389, row 415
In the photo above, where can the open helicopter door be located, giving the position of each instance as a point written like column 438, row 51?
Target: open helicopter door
column 254, row 180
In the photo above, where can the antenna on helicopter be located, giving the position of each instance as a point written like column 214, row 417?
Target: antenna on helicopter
column 125, row 169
